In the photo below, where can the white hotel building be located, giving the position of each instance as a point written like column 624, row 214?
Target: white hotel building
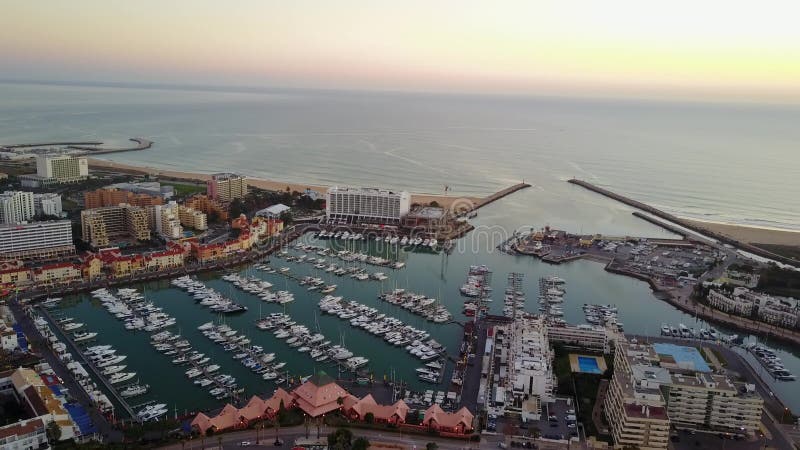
column 354, row 205
column 48, row 239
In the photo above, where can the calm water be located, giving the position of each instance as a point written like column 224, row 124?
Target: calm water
column 435, row 275
column 728, row 163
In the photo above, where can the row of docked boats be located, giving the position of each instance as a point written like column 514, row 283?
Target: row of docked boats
column 551, row 295
column 605, row 315
column 202, row 371
column 477, row 289
column 431, row 372
column 345, row 255
column 682, row 331
column 253, row 357
column 260, row 288
column 388, row 238
column 68, row 324
column 208, row 297
column 392, row 330
column 79, row 373
column 313, row 344
column 514, row 299
column 129, row 306
column 770, row 361
column 419, row 304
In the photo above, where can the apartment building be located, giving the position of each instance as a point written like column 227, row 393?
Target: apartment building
column 36, row 240
column 24, row 435
column 594, row 338
column 779, row 314
column 353, row 205
column 58, row 273
column 165, row 220
column 731, row 305
column 101, row 226
column 634, row 407
column 192, row 218
column 208, row 206
column 712, row 401
column 16, row 207
column 114, row 197
column 226, row 187
column 48, row 204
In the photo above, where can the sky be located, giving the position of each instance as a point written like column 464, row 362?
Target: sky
column 704, row 48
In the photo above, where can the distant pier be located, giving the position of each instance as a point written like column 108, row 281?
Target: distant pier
column 496, row 196
column 90, row 147
column 681, row 222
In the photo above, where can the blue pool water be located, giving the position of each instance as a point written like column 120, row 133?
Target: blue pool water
column 687, row 357
column 588, row 365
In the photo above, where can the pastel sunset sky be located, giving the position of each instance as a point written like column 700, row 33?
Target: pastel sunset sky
column 717, row 48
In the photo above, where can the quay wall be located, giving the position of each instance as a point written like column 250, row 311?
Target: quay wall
column 677, row 220
column 498, row 195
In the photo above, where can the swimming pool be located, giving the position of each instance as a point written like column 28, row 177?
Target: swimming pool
column 588, row 364
column 686, row 357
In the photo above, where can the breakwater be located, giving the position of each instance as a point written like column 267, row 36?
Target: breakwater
column 498, row 195
column 686, row 224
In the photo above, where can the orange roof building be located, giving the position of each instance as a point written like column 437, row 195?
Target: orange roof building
column 358, row 409
column 319, row 395
column 255, row 409
column 457, row 422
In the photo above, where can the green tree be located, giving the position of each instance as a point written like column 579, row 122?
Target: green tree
column 431, row 446
column 369, row 417
column 53, row 432
column 340, row 439
column 361, row 443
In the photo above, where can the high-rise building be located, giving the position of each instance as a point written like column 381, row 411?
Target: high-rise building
column 193, row 218
column 48, row 239
column 114, row 197
column 225, row 187
column 57, row 169
column 354, row 205
column 166, row 220
column 99, row 226
column 16, row 207
column 48, row 204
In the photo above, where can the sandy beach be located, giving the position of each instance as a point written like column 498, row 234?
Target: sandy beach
column 752, row 235
column 421, row 198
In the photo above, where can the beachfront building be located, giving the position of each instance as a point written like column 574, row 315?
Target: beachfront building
column 101, row 226
column 588, row 337
column 101, row 198
column 226, row 187
column 16, row 207
column 36, row 240
column 358, row 205
column 192, row 218
column 48, row 204
column 56, row 169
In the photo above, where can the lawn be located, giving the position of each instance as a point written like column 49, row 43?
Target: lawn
column 185, row 189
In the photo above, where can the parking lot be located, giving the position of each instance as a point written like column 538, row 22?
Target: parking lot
column 553, row 425
column 687, row 440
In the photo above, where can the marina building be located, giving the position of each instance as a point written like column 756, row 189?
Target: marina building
column 273, row 212
column 37, row 397
column 24, row 435
column 58, row 273
column 779, row 314
column 521, row 378
column 16, row 207
column 36, row 240
column 101, row 226
column 48, row 204
column 731, row 305
column 356, row 205
column 226, row 187
column 101, row 198
column 57, row 169
column 594, row 338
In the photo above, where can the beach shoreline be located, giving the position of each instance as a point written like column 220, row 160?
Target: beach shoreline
column 751, row 234
column 421, row 198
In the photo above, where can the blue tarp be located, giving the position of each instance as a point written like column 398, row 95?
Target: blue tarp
column 81, row 418
column 22, row 341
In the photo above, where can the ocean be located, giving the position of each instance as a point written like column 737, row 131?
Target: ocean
column 730, row 163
